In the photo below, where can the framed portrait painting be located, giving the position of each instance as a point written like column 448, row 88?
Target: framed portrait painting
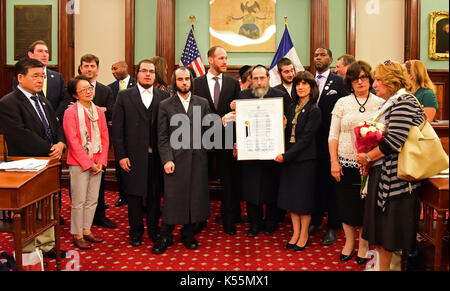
column 439, row 41
column 243, row 25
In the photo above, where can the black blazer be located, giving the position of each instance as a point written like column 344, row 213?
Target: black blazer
column 333, row 90
column 308, row 124
column 229, row 91
column 103, row 98
column 23, row 129
column 115, row 86
column 56, row 92
column 133, row 134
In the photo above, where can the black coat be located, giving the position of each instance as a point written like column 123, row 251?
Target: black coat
column 131, row 137
column 260, row 179
column 23, row 129
column 186, row 196
column 56, row 92
column 115, row 86
column 333, row 90
column 308, row 124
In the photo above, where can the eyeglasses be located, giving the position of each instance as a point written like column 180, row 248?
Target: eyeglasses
column 362, row 78
column 85, row 90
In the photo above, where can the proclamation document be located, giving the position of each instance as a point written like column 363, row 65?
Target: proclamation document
column 259, row 128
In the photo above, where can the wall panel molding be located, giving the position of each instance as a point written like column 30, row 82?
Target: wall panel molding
column 165, row 33
column 412, row 29
column 130, row 35
column 320, row 26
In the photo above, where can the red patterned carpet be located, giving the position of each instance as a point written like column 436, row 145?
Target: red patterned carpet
column 217, row 251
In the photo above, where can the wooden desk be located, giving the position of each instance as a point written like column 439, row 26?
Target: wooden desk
column 19, row 193
column 434, row 197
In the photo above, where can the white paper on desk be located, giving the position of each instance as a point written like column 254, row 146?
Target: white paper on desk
column 27, row 165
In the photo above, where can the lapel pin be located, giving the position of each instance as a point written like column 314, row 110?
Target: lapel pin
column 327, row 88
column 52, row 76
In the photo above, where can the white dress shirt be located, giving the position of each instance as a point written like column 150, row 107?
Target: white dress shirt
column 289, row 89
column 212, row 83
column 146, row 95
column 322, row 81
column 185, row 102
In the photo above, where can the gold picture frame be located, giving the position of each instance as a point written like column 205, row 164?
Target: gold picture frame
column 439, row 40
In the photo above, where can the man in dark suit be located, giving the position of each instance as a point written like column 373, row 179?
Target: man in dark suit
column 287, row 73
column 31, row 129
column 331, row 88
column 220, row 90
column 260, row 179
column 103, row 98
column 54, row 88
column 123, row 81
column 136, row 147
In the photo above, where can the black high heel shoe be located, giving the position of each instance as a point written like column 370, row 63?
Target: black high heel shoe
column 345, row 258
column 361, row 261
column 297, row 248
column 290, row 246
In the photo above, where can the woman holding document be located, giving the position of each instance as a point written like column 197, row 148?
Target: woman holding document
column 296, row 192
column 88, row 142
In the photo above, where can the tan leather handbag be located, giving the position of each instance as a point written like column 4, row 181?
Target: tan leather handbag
column 422, row 155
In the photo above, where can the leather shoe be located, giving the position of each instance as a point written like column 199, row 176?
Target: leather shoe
column 161, row 245
column 120, row 202
column 253, row 231
column 315, row 228
column 105, row 222
column 51, row 254
column 345, row 258
column 270, row 228
column 330, row 237
column 190, row 243
column 135, row 241
column 229, row 229
column 93, row 238
column 81, row 243
column 199, row 226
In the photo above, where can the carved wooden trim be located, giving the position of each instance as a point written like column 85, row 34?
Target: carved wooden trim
column 130, row 35
column 320, row 26
column 165, row 33
column 3, row 89
column 412, row 29
column 66, row 41
column 351, row 27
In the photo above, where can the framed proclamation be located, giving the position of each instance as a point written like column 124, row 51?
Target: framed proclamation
column 259, row 128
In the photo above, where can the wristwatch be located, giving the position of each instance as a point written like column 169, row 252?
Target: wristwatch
column 367, row 158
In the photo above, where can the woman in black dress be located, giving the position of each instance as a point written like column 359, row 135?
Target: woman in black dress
column 296, row 193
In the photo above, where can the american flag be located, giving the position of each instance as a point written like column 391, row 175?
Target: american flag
column 191, row 55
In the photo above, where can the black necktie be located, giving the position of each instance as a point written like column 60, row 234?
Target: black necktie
column 216, row 92
column 48, row 131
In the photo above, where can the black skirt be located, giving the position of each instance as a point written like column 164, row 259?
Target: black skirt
column 297, row 187
column 350, row 205
column 395, row 228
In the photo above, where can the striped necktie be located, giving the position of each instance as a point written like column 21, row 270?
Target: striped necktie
column 48, row 131
column 122, row 85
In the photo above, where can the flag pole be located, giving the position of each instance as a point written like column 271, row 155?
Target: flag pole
column 192, row 18
column 285, row 21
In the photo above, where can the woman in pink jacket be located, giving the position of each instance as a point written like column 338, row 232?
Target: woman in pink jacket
column 88, row 142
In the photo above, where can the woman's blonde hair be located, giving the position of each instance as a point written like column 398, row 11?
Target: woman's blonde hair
column 393, row 75
column 420, row 74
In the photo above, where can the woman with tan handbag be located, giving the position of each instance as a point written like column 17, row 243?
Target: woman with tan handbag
column 392, row 206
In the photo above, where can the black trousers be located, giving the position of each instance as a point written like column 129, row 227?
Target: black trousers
column 325, row 196
column 230, row 198
column 122, row 194
column 152, row 211
column 187, row 231
column 100, row 211
column 255, row 214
